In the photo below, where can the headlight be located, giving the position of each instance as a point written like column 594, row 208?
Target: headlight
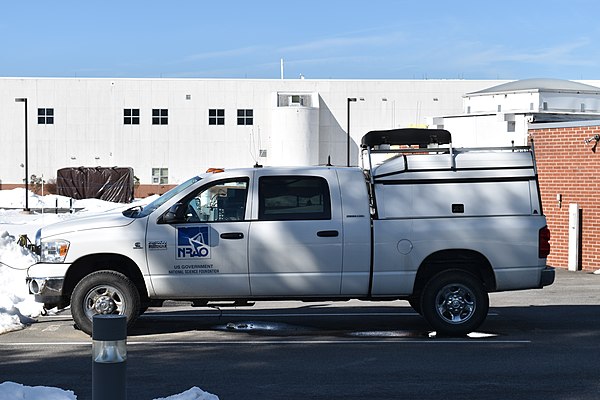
column 54, row 252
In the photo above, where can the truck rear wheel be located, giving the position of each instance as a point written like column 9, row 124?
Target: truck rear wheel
column 454, row 303
column 104, row 292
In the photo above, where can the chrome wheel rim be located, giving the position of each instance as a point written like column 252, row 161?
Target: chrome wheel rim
column 104, row 299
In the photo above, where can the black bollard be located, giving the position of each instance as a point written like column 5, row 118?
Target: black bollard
column 109, row 357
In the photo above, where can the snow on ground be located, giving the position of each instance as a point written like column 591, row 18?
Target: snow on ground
column 17, row 307
column 16, row 391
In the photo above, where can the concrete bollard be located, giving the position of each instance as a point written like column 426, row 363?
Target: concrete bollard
column 109, row 357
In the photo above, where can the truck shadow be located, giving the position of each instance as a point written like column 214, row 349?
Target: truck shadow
column 557, row 321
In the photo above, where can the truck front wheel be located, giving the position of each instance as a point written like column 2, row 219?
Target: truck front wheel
column 104, row 292
column 454, row 303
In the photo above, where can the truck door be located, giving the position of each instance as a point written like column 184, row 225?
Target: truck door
column 203, row 251
column 295, row 242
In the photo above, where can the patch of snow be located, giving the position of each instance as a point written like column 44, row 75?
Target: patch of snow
column 16, row 391
column 194, row 393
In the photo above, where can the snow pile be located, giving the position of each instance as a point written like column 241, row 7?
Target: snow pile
column 17, row 306
column 16, row 391
column 194, row 393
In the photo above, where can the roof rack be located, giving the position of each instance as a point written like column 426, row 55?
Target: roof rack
column 418, row 140
column 421, row 140
column 406, row 137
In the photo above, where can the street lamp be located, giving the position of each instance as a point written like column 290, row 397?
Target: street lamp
column 26, row 209
column 350, row 100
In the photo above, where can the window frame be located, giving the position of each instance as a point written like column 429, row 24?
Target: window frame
column 45, row 116
column 163, row 174
column 133, row 118
column 216, row 116
column 160, row 116
column 245, row 116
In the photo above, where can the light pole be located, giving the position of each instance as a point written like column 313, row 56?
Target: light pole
column 350, row 100
column 26, row 209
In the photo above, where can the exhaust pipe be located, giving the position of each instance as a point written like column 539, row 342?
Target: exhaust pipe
column 36, row 286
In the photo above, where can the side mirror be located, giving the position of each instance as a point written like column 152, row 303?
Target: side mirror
column 173, row 215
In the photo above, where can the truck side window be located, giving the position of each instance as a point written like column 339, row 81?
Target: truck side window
column 283, row 198
column 223, row 201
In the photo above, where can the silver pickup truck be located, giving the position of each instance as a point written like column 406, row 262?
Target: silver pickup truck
column 437, row 226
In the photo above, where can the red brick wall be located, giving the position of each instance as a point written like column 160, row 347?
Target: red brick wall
column 140, row 191
column 148, row 190
column 568, row 166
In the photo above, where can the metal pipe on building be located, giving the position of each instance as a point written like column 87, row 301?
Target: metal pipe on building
column 26, row 209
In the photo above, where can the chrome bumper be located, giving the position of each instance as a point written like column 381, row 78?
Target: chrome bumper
column 46, row 290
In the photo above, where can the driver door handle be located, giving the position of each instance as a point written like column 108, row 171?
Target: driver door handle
column 328, row 234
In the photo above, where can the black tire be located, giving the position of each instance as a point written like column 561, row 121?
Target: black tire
column 104, row 292
column 454, row 303
column 415, row 303
column 150, row 303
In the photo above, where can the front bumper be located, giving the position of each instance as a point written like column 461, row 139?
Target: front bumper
column 46, row 282
column 46, row 290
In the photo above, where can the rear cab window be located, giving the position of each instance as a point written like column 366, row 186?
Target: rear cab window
column 287, row 198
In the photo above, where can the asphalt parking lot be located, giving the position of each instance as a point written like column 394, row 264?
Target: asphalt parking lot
column 535, row 344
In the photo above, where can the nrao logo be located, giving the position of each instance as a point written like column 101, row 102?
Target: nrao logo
column 193, row 242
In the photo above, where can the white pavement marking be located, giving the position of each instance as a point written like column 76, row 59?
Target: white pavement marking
column 51, row 328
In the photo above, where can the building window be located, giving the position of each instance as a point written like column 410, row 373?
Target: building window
column 245, row 117
column 216, row 116
column 511, row 126
column 160, row 176
column 131, row 116
column 46, row 116
column 160, row 116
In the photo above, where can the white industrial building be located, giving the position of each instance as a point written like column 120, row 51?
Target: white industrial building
column 502, row 114
column 170, row 129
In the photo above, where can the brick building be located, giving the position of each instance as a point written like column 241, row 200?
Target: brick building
column 568, row 163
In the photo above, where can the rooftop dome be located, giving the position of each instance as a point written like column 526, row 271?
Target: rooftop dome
column 539, row 84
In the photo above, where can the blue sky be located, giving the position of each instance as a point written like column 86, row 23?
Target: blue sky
column 366, row 39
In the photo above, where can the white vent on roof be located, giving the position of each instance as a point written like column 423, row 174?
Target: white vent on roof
column 294, row 100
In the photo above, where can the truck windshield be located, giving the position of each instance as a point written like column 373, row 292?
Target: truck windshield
column 140, row 212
